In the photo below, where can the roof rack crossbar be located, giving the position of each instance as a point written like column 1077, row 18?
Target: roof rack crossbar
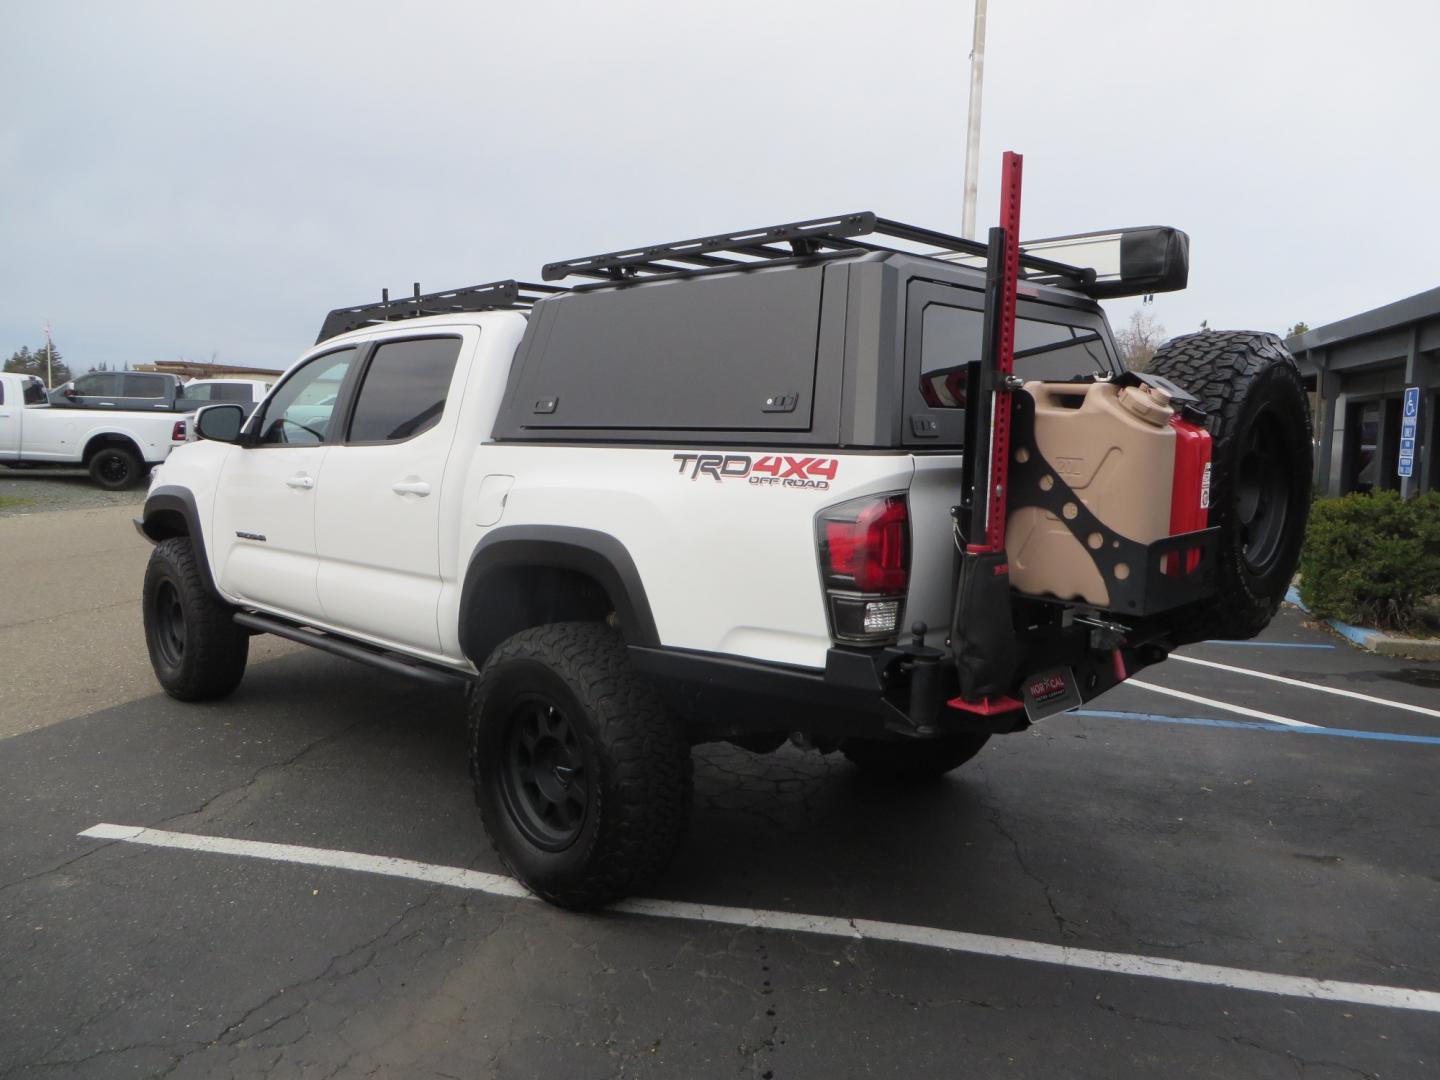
column 818, row 238
column 920, row 235
column 492, row 296
column 757, row 242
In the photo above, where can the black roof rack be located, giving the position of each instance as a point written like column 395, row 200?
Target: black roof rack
column 817, row 238
column 491, row 296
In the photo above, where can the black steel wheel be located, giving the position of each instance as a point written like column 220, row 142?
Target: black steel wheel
column 1262, row 493
column 169, row 618
column 1261, row 451
column 581, row 775
column 116, row 468
column 196, row 650
column 545, row 780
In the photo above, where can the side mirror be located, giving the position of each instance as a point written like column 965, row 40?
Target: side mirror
column 220, row 423
column 69, row 392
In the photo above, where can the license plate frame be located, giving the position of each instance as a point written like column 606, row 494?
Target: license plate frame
column 1049, row 692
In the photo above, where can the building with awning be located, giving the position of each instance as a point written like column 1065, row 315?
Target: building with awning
column 194, row 369
column 1358, row 370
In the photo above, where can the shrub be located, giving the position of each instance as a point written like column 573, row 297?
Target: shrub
column 1372, row 559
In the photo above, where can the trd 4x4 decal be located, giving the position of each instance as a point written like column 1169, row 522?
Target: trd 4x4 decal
column 770, row 470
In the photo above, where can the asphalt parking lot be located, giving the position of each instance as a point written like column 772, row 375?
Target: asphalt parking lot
column 1240, row 881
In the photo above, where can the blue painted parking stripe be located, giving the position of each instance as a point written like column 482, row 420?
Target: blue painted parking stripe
column 1209, row 721
column 1268, row 644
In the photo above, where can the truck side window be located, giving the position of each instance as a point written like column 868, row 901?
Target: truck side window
column 98, row 385
column 404, row 389
column 300, row 411
column 949, row 339
column 35, row 392
column 225, row 391
column 143, row 386
column 1056, row 352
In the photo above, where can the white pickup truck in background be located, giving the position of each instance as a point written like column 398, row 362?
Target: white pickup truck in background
column 118, row 446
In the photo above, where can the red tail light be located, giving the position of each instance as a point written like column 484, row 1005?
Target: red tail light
column 865, row 566
column 177, row 433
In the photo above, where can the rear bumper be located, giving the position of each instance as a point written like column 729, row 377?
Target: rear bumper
column 864, row 693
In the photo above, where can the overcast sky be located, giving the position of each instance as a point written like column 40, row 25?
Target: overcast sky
column 208, row 179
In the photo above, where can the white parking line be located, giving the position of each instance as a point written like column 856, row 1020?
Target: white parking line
column 1309, row 685
column 956, row 941
column 1197, row 699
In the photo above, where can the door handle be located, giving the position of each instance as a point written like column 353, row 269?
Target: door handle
column 411, row 487
column 300, row 481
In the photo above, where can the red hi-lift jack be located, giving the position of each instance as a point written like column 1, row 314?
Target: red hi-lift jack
column 984, row 644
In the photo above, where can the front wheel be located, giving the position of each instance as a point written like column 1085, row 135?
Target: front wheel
column 582, row 777
column 196, row 650
column 912, row 759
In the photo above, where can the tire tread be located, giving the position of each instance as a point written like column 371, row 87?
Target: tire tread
column 1223, row 369
column 216, row 649
column 644, row 750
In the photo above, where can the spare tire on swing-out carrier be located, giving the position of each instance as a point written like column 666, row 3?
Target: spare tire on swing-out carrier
column 1258, row 416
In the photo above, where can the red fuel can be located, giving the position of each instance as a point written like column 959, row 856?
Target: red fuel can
column 1190, row 494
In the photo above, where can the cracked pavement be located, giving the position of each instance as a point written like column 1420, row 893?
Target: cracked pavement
column 1307, row 856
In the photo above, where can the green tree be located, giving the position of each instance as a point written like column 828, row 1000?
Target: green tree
column 21, row 361
column 26, row 362
column 1298, row 328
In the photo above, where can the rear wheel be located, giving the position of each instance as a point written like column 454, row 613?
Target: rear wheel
column 1259, row 422
column 116, row 468
column 581, row 775
column 196, row 650
column 912, row 759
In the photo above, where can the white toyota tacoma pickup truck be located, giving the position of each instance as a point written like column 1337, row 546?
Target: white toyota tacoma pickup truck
column 742, row 487
column 117, row 446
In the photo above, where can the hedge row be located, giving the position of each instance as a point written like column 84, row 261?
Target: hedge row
column 1372, row 559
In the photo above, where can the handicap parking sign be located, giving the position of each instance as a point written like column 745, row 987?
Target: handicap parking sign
column 1410, row 416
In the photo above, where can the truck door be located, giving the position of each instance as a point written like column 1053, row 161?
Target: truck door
column 378, row 501
column 264, row 531
column 12, row 415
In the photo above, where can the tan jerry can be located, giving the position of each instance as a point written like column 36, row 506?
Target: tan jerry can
column 1116, row 449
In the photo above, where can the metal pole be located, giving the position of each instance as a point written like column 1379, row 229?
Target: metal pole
column 49, row 354
column 972, row 142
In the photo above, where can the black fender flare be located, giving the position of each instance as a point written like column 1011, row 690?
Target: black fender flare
column 159, row 505
column 595, row 554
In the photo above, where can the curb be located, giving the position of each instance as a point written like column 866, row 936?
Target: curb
column 1375, row 641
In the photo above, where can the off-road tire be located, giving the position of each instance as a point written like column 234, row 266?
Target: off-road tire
column 912, row 759
column 196, row 650
column 620, row 741
column 115, row 468
column 1258, row 417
